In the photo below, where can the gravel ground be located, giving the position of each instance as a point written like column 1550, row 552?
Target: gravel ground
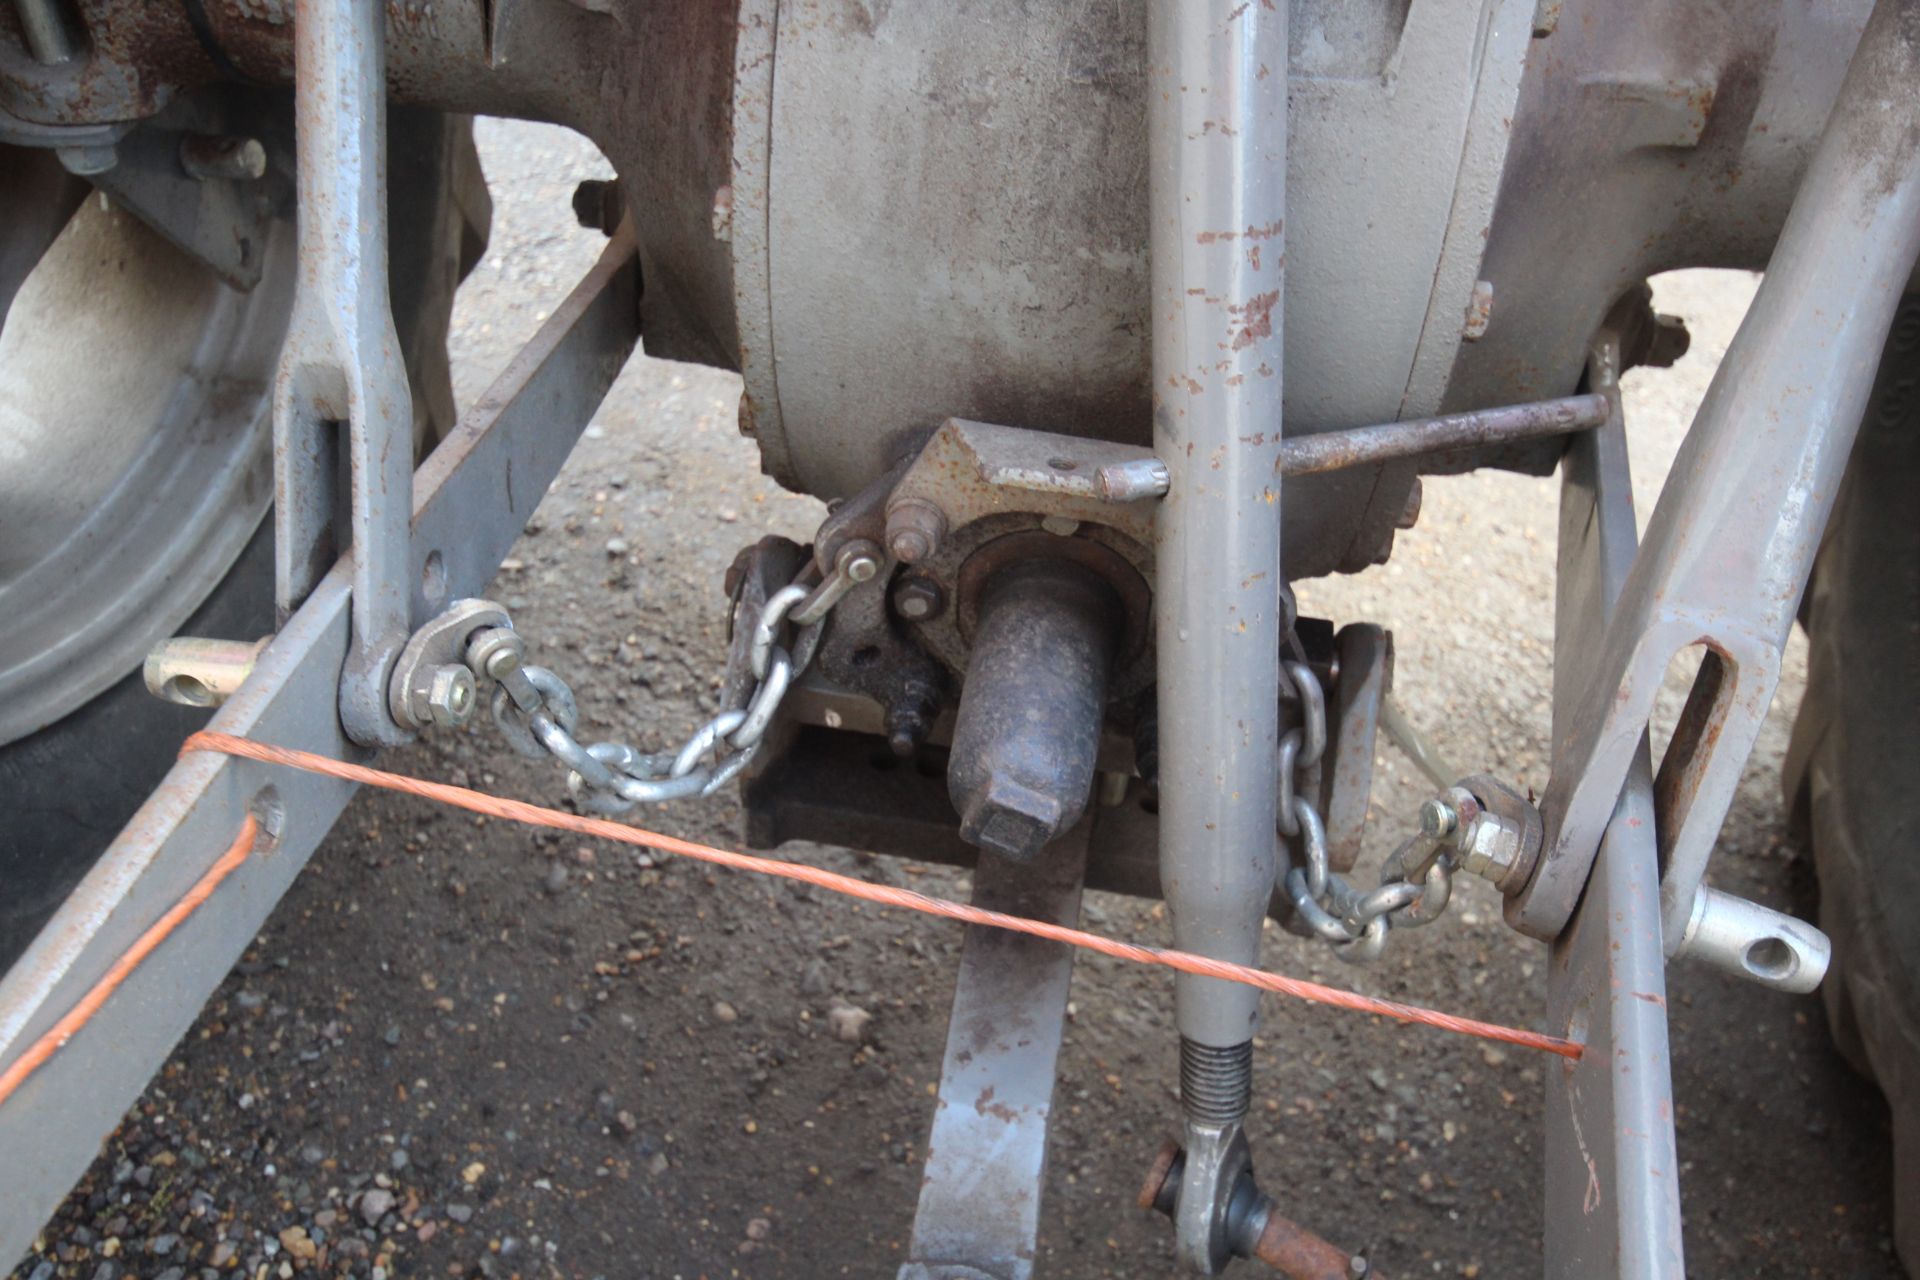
column 460, row 1049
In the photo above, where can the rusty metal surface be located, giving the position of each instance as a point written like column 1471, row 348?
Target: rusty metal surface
column 867, row 649
column 1647, row 136
column 1415, row 437
column 132, row 59
column 980, row 1194
column 841, row 787
column 471, row 500
column 1731, row 541
column 1299, row 1254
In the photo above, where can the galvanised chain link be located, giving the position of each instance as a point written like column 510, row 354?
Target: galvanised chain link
column 536, row 711
column 1416, row 882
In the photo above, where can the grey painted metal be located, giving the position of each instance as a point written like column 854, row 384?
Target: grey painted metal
column 980, row 1193
column 1217, row 197
column 968, row 471
column 1612, row 1174
column 1217, row 1162
column 1648, row 135
column 1012, row 135
column 343, row 417
column 1217, row 211
column 1138, row 478
column 1642, row 135
column 472, row 497
column 138, row 443
column 222, row 222
column 1730, row 543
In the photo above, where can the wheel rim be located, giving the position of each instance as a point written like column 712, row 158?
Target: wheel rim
column 135, row 451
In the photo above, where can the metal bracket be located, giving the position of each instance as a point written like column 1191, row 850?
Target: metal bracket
column 218, row 215
column 1365, row 654
column 1732, row 540
column 472, row 497
column 342, row 414
column 971, row 470
column 979, row 1213
column 431, row 671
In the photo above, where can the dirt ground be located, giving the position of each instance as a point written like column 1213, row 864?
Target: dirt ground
column 462, row 1049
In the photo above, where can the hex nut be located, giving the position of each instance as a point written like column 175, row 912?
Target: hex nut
column 1490, row 848
column 450, row 695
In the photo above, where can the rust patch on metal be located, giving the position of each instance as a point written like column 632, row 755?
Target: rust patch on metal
column 1256, row 319
column 1298, row 1253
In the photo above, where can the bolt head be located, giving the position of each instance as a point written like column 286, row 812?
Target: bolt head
column 498, row 651
column 915, row 527
column 918, row 599
column 1438, row 819
column 1012, row 820
column 450, row 695
column 503, row 663
column 862, row 567
column 909, row 546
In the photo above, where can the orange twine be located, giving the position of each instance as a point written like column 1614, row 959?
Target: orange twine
column 78, row 1016
column 536, row 816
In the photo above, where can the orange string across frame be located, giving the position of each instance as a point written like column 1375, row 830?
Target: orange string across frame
column 82, row 1012
column 1186, row 962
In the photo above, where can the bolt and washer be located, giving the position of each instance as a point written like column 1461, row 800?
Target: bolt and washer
column 861, row 565
column 917, row 599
